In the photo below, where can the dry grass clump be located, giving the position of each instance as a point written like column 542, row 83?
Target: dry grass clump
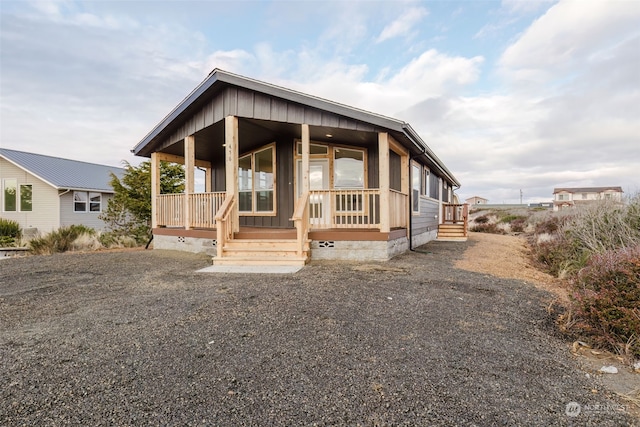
column 78, row 238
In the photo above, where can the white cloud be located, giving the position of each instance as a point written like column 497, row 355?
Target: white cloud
column 403, row 25
column 566, row 35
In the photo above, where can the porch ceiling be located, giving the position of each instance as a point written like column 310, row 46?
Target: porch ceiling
column 254, row 133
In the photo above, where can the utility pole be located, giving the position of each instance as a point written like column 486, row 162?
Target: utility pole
column 520, row 196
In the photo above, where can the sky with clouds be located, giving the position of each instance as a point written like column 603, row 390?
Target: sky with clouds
column 512, row 95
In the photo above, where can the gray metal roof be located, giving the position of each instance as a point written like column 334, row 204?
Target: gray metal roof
column 220, row 77
column 586, row 189
column 64, row 173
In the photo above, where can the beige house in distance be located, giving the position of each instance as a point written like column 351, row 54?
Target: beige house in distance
column 477, row 200
column 565, row 198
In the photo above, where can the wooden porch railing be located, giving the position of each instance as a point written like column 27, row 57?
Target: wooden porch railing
column 456, row 214
column 355, row 208
column 170, row 210
column 300, row 219
column 398, row 211
column 224, row 223
column 202, row 209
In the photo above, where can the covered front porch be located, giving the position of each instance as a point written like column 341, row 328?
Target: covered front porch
column 244, row 223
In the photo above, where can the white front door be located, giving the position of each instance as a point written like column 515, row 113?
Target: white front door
column 319, row 203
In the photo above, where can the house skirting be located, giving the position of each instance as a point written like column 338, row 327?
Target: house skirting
column 325, row 245
column 179, row 239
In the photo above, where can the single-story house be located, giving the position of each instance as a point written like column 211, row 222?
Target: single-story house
column 564, row 198
column 43, row 193
column 477, row 200
column 290, row 176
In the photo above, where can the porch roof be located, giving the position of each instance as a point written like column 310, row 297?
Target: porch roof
column 219, row 79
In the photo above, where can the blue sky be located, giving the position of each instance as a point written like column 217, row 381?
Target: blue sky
column 512, row 95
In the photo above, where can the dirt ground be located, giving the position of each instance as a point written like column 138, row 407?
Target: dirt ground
column 432, row 337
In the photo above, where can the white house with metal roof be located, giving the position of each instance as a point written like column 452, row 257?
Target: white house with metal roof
column 290, row 176
column 43, row 193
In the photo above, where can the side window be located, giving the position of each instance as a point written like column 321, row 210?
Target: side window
column 415, row 187
column 95, row 202
column 79, row 201
column 10, row 188
column 425, row 181
column 26, row 197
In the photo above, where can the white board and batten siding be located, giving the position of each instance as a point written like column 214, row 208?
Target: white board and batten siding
column 45, row 213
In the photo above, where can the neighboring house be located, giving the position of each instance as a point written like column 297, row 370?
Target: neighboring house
column 477, row 200
column 564, row 198
column 43, row 193
column 289, row 176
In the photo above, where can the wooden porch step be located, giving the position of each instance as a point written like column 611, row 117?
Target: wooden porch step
column 451, row 232
column 262, row 252
column 250, row 260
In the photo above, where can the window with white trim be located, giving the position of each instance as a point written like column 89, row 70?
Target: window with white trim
column 95, row 202
column 26, row 197
column 425, row 181
column 416, row 185
column 79, row 201
column 10, row 193
column 256, row 181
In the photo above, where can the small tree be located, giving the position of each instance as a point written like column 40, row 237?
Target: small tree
column 128, row 212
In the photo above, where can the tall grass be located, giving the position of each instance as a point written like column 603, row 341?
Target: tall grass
column 10, row 233
column 60, row 240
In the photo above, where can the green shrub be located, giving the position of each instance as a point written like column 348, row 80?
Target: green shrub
column 60, row 240
column 606, row 300
column 10, row 232
column 507, row 219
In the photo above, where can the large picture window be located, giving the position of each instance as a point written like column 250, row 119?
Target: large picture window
column 348, row 168
column 256, row 182
column 10, row 192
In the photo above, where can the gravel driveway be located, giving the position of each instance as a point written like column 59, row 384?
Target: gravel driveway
column 141, row 338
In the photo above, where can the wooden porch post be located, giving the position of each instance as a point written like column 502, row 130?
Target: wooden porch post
column 208, row 175
column 155, row 188
column 189, row 175
column 384, row 184
column 306, row 144
column 231, row 164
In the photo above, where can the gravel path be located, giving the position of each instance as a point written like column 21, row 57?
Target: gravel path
column 140, row 338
